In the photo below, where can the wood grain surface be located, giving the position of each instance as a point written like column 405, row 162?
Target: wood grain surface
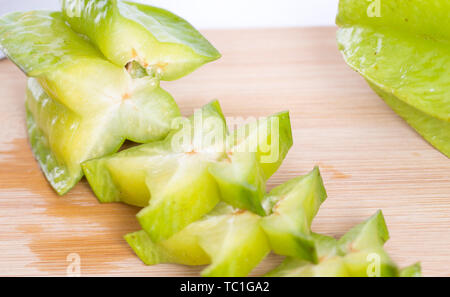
column 369, row 157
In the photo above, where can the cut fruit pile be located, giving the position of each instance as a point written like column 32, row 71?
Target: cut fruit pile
column 94, row 72
column 402, row 49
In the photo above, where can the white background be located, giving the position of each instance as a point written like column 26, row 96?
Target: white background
column 206, row 14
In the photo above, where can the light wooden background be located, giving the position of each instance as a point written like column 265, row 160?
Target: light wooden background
column 369, row 157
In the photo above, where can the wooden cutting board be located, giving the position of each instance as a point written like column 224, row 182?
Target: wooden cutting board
column 370, row 159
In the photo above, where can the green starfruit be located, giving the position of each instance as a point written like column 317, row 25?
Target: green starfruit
column 79, row 105
column 162, row 43
column 402, row 49
column 254, row 153
column 181, row 178
column 230, row 241
column 359, row 253
column 233, row 241
column 294, row 205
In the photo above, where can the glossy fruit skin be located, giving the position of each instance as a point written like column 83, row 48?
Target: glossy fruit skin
column 404, row 55
column 230, row 241
column 359, row 253
column 295, row 204
column 126, row 31
column 79, row 106
column 434, row 130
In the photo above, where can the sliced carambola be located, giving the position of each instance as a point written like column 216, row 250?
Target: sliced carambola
column 404, row 55
column 179, row 178
column 60, row 139
column 172, row 172
column 162, row 43
column 187, row 193
column 233, row 241
column 359, row 253
column 354, row 265
column 362, row 248
column 254, row 153
column 414, row 270
column 230, row 240
column 331, row 264
column 236, row 245
column 369, row 234
column 241, row 181
column 80, row 106
column 270, row 138
column 293, row 207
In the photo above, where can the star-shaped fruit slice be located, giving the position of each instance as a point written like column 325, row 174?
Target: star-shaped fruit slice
column 79, row 105
column 162, row 44
column 182, row 178
column 294, row 206
column 230, row 240
column 255, row 151
column 359, row 253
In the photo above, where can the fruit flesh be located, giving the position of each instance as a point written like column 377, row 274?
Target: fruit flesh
column 61, row 140
column 295, row 204
column 237, row 247
column 359, row 253
column 411, row 271
column 270, row 138
column 404, row 55
column 79, row 105
column 371, row 233
column 241, row 181
column 169, row 178
column 191, row 169
column 254, row 153
column 229, row 240
column 124, row 31
column 184, row 198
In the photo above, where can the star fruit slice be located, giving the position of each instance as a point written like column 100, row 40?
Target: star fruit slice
column 232, row 241
column 330, row 263
column 162, row 43
column 173, row 177
column 79, row 105
column 404, row 55
column 255, row 152
column 359, row 253
column 172, row 172
column 414, row 270
column 294, row 206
